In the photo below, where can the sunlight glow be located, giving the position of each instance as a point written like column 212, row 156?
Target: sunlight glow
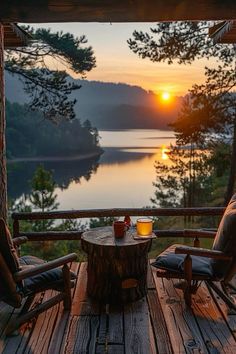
column 165, row 96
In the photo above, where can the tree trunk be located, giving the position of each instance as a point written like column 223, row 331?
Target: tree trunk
column 232, row 172
column 3, row 172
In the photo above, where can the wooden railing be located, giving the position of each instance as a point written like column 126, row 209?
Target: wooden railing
column 96, row 213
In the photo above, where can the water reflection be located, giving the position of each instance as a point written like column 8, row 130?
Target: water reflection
column 114, row 166
column 117, row 155
column 164, row 153
column 122, row 177
column 64, row 172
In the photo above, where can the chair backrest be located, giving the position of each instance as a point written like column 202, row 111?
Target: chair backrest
column 9, row 264
column 8, row 288
column 225, row 240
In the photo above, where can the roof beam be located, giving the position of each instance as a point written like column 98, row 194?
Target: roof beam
column 14, row 36
column 30, row 11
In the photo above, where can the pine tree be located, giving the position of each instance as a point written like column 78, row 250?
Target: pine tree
column 43, row 197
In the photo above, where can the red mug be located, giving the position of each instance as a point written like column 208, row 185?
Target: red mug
column 119, row 228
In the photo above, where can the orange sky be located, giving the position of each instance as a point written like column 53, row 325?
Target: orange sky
column 116, row 62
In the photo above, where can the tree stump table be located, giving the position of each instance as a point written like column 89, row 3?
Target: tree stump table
column 117, row 268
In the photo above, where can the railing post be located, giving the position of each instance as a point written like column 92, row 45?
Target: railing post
column 196, row 242
column 16, row 228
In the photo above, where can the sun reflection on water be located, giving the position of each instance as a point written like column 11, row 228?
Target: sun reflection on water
column 164, row 153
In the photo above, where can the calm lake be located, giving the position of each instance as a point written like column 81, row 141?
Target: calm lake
column 121, row 177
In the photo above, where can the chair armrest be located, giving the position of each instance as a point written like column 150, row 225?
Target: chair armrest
column 26, row 273
column 19, row 240
column 199, row 233
column 203, row 252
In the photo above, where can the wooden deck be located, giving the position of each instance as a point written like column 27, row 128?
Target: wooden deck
column 160, row 323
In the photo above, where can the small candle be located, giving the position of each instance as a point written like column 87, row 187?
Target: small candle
column 144, row 227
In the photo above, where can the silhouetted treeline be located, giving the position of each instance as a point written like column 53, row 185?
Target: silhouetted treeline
column 29, row 135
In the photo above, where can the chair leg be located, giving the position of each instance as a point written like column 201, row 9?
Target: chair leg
column 26, row 316
column 188, row 277
column 232, row 287
column 182, row 284
column 67, row 287
column 13, row 325
column 224, row 296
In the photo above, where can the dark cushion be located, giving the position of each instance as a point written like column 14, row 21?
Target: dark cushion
column 51, row 279
column 7, row 248
column 170, row 261
column 225, row 239
column 30, row 260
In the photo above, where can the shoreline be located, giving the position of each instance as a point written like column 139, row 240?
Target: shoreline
column 55, row 158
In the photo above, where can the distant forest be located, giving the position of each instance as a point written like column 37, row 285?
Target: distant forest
column 29, row 135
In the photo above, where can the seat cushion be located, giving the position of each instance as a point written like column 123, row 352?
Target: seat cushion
column 168, row 260
column 30, row 260
column 7, row 248
column 51, row 279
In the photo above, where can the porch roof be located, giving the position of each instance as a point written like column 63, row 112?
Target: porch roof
column 115, row 10
column 223, row 32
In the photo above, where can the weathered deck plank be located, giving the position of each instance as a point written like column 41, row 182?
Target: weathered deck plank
column 228, row 314
column 150, row 279
column 81, row 335
column 6, row 312
column 115, row 333
column 81, row 305
column 214, row 329
column 160, row 332
column 18, row 343
column 102, row 332
column 62, row 319
column 160, row 323
column 153, row 347
column 136, row 328
column 115, row 349
column 181, row 324
column 43, row 329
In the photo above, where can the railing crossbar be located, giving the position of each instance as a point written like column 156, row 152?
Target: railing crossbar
column 96, row 213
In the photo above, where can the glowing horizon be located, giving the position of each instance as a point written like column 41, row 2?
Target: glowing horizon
column 117, row 63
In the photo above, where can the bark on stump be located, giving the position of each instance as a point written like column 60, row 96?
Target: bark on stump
column 117, row 268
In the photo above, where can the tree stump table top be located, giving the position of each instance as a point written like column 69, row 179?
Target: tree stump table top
column 117, row 268
column 104, row 236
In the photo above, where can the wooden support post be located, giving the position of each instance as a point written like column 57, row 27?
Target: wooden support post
column 16, row 233
column 16, row 228
column 188, row 277
column 67, row 287
column 3, row 172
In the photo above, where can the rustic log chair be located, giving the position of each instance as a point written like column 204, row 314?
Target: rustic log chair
column 198, row 264
column 23, row 277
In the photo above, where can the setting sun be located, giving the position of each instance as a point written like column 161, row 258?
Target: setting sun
column 165, row 96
